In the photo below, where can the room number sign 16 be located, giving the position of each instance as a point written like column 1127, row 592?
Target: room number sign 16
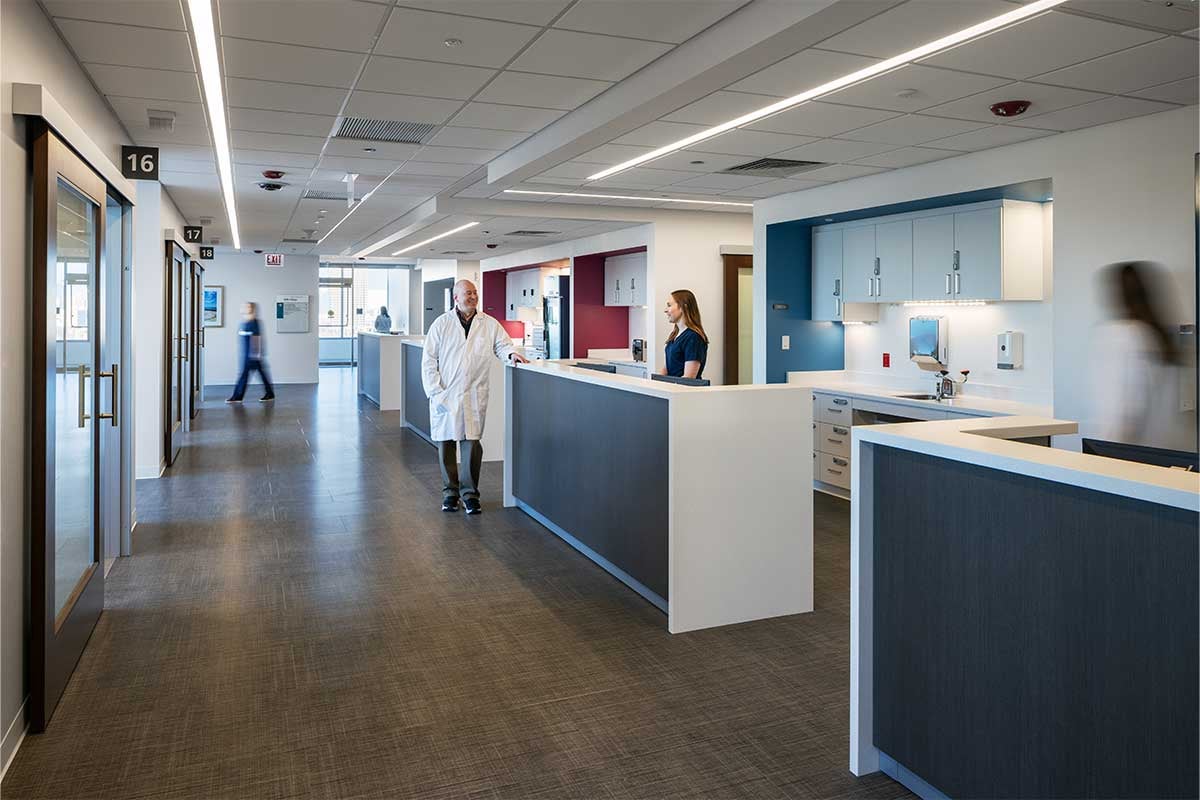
column 139, row 163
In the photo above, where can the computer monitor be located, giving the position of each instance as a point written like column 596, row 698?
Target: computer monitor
column 681, row 381
column 596, row 367
column 1156, row 456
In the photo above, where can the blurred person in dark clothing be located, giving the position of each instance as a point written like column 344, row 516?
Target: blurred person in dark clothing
column 250, row 339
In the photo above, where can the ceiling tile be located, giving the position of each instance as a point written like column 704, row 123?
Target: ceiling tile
column 745, row 142
column 1170, row 59
column 191, row 128
column 834, row 151
column 156, row 84
column 612, row 154
column 721, row 181
column 711, row 162
column 254, row 119
column 146, row 13
column 643, row 177
column 906, row 157
column 661, row 20
column 431, row 168
column 1185, row 92
column 279, row 142
column 505, row 118
column 821, row 119
column 842, row 172
column 587, row 55
column 404, row 76
column 720, row 107
column 803, row 71
column 423, row 34
column 265, row 159
column 1041, row 44
column 127, row 46
column 393, row 152
column 545, row 91
column 457, row 155
column 272, row 96
column 912, row 24
column 995, row 136
column 931, row 86
column 332, row 24
column 570, row 169
column 659, row 133
column 476, row 137
column 912, row 129
column 531, row 12
column 1043, row 98
column 289, row 63
column 777, row 187
column 406, row 107
column 1110, row 109
column 1153, row 13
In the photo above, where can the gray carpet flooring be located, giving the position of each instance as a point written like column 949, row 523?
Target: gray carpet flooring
column 300, row 620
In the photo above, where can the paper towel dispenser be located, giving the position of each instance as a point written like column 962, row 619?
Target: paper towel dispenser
column 929, row 342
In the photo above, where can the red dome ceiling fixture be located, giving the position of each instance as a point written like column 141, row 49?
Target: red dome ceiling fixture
column 1010, row 108
column 272, row 174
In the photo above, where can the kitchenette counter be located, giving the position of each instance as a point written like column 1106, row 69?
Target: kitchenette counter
column 672, row 489
column 1000, row 588
column 966, row 404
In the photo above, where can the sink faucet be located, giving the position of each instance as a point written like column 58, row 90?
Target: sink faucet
column 947, row 387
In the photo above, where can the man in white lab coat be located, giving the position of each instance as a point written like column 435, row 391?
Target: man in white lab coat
column 458, row 350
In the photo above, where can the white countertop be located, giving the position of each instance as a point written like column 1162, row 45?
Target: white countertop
column 964, row 404
column 984, row 442
column 563, row 369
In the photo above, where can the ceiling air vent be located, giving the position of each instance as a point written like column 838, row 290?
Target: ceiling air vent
column 160, row 120
column 456, row 252
column 774, row 167
column 532, row 233
column 384, row 130
column 319, row 194
column 298, row 241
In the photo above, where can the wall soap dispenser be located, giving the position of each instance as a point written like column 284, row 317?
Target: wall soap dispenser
column 1010, row 350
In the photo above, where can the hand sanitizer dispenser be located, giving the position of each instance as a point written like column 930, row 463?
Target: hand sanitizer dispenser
column 1010, row 350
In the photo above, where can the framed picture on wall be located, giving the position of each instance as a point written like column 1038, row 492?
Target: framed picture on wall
column 214, row 306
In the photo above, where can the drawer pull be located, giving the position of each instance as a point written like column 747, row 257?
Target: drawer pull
column 834, row 471
column 840, row 462
column 835, row 441
column 835, row 410
column 840, row 401
column 840, row 431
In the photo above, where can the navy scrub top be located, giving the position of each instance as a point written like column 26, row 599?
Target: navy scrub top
column 687, row 346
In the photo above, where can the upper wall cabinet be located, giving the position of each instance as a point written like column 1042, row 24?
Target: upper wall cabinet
column 983, row 251
column 625, row 280
column 524, row 290
column 829, row 298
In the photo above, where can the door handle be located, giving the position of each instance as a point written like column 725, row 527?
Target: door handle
column 948, row 283
column 115, row 397
column 84, row 374
column 183, row 350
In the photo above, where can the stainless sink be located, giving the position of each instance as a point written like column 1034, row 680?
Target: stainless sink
column 918, row 396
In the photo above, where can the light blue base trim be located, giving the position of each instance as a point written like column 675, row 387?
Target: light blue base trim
column 609, row 567
column 904, row 776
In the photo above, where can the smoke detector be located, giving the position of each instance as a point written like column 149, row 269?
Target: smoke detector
column 1010, row 108
column 268, row 186
column 163, row 121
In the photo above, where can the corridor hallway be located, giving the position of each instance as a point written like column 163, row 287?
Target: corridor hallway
column 300, row 619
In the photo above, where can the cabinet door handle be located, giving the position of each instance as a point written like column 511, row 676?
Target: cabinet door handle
column 841, row 462
column 840, row 401
column 837, row 306
column 840, row 431
column 876, row 265
column 833, row 471
column 835, row 441
column 948, row 283
column 957, row 262
column 958, row 283
column 870, row 287
column 879, row 287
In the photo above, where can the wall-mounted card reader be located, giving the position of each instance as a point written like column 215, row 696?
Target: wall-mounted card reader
column 1010, row 350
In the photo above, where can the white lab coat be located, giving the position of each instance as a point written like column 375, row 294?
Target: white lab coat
column 454, row 371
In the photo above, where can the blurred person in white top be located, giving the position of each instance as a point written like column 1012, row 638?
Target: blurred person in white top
column 1137, row 382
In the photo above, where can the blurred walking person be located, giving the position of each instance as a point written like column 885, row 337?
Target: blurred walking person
column 250, row 338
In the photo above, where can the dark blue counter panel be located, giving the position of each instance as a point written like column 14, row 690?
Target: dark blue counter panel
column 594, row 461
column 1033, row 639
column 416, row 404
column 368, row 366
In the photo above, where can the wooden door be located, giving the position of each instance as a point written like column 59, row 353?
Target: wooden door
column 735, row 267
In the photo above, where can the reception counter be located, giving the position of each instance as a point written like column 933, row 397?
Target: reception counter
column 696, row 498
column 379, row 357
column 1023, row 619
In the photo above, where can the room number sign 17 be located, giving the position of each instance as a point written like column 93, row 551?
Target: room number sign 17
column 139, row 163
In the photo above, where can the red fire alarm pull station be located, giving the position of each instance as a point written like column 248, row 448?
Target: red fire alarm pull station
column 887, row 359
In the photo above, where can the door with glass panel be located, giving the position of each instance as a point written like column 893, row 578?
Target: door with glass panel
column 173, row 352
column 195, row 338
column 68, row 380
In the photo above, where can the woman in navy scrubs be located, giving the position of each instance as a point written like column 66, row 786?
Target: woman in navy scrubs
column 687, row 346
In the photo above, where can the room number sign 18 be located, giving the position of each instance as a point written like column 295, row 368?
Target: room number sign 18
column 139, row 163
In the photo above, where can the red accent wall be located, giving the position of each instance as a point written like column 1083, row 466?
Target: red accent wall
column 494, row 295
column 596, row 325
column 514, row 327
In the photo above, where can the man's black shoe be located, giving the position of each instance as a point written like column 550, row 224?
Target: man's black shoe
column 450, row 504
column 472, row 505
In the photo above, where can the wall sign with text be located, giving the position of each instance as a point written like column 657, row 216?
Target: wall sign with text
column 139, row 163
column 274, row 259
column 206, row 253
column 193, row 234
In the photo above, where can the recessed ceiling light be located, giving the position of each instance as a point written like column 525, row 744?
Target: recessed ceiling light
column 205, row 37
column 450, row 232
column 866, row 73
column 907, row 94
column 631, row 197
column 452, row 42
column 322, row 211
column 695, row 162
column 368, row 149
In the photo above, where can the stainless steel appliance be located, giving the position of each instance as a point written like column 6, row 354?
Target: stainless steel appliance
column 556, row 316
column 639, row 349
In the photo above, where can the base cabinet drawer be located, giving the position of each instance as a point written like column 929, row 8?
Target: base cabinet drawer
column 834, row 470
column 833, row 409
column 833, row 439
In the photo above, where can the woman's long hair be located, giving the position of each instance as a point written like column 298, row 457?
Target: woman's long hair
column 691, row 314
column 1138, row 296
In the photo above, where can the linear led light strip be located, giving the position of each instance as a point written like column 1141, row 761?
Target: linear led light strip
column 631, row 197
column 205, row 35
column 946, row 42
column 450, row 232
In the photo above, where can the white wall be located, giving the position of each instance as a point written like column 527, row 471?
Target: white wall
column 291, row 357
column 1121, row 191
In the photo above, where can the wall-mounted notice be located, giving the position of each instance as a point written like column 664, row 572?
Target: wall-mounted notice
column 274, row 259
column 291, row 313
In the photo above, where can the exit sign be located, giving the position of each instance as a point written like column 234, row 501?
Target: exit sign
column 274, row 259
